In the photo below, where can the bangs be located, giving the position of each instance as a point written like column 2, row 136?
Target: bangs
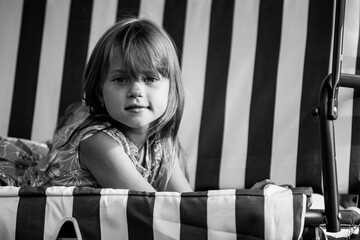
column 145, row 53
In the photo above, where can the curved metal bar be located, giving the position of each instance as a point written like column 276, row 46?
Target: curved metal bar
column 328, row 157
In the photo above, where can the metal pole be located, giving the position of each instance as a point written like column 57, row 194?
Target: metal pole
column 328, row 157
column 337, row 55
column 328, row 113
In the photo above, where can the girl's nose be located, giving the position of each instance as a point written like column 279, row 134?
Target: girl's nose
column 135, row 89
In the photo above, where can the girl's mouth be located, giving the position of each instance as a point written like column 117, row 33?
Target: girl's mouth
column 136, row 108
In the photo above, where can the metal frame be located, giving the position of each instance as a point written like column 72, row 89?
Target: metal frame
column 328, row 113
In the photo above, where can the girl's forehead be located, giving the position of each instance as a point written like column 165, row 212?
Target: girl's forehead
column 136, row 63
column 116, row 58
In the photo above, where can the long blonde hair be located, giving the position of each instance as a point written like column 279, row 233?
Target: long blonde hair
column 144, row 46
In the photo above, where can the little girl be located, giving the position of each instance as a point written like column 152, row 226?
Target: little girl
column 125, row 136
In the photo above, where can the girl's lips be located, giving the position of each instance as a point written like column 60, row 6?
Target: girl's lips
column 136, row 108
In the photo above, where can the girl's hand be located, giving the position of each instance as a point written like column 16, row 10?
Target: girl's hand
column 261, row 185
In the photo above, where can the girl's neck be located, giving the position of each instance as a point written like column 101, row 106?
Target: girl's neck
column 137, row 136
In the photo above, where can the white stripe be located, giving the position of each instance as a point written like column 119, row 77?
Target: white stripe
column 193, row 76
column 221, row 219
column 343, row 124
column 9, row 191
column 238, row 94
column 166, row 216
column 50, row 69
column 9, row 201
column 278, row 211
column 8, row 209
column 60, row 191
column 103, row 16
column 10, row 23
column 152, row 9
column 288, row 91
column 113, row 218
column 58, row 209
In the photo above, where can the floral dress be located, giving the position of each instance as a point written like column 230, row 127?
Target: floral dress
column 64, row 167
column 61, row 165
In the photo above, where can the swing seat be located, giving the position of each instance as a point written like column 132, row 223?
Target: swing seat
column 252, row 70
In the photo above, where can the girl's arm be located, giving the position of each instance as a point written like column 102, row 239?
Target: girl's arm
column 178, row 181
column 110, row 165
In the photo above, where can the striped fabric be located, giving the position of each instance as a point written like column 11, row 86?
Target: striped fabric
column 252, row 70
column 272, row 213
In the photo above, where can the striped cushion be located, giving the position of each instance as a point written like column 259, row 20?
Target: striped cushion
column 252, row 71
column 272, row 213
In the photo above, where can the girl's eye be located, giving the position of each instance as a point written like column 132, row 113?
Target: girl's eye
column 151, row 79
column 120, row 80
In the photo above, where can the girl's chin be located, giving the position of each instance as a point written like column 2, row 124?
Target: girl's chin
column 137, row 126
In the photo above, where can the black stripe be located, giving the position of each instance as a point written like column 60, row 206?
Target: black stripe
column 31, row 214
column 75, row 53
column 316, row 67
column 297, row 214
column 32, row 191
column 127, row 8
column 27, row 68
column 85, row 191
column 213, row 110
column 262, row 106
column 174, row 22
column 140, row 208
column 193, row 216
column 249, row 214
column 86, row 210
column 354, row 171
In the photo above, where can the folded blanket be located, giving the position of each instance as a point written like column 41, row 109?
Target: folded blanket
column 18, row 159
column 272, row 213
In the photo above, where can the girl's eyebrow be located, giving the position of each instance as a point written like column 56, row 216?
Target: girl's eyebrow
column 149, row 72
column 117, row 71
column 125, row 73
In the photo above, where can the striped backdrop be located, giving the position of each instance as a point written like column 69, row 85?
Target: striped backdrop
column 252, row 71
column 273, row 213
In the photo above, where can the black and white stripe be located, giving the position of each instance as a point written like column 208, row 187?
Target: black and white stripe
column 26, row 75
column 262, row 103
column 316, row 67
column 252, row 70
column 213, row 109
column 273, row 213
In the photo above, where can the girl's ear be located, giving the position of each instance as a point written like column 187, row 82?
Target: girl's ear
column 102, row 103
column 101, row 100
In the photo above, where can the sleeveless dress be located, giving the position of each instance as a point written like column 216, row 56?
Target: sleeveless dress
column 61, row 166
column 64, row 167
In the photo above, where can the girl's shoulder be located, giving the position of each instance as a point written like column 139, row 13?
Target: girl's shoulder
column 112, row 132
column 73, row 134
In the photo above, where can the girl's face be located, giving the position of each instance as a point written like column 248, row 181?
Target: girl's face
column 134, row 102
